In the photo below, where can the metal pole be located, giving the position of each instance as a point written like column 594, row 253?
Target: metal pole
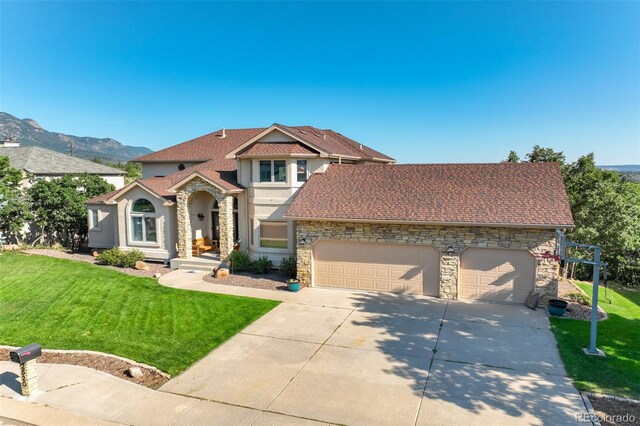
column 594, row 301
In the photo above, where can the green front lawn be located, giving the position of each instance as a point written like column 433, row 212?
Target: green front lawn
column 64, row 304
column 619, row 337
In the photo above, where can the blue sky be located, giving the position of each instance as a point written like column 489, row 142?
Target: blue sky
column 422, row 82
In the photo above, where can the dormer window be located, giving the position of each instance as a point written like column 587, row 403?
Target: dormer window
column 273, row 171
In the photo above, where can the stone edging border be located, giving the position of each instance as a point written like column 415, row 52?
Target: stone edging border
column 592, row 413
column 631, row 401
column 80, row 352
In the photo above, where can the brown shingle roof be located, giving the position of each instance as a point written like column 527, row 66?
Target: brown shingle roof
column 215, row 147
column 276, row 148
column 488, row 194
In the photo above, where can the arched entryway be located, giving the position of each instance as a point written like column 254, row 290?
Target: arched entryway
column 215, row 220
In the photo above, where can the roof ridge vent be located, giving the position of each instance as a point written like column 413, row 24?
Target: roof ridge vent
column 302, row 131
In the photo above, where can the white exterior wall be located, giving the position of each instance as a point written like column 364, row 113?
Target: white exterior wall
column 162, row 169
column 104, row 233
column 269, row 201
column 116, row 181
column 165, row 247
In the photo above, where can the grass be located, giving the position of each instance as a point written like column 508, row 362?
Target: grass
column 619, row 337
column 64, row 304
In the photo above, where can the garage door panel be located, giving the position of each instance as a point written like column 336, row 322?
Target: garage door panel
column 377, row 266
column 496, row 274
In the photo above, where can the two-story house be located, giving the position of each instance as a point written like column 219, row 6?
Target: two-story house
column 352, row 217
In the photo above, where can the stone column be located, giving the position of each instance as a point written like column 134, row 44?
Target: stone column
column 449, row 272
column 225, row 206
column 184, row 225
column 29, row 378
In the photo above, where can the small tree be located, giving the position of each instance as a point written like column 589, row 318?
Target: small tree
column 59, row 206
column 512, row 158
column 545, row 155
column 14, row 208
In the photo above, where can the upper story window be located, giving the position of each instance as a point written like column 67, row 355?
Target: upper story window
column 143, row 221
column 273, row 171
column 302, row 171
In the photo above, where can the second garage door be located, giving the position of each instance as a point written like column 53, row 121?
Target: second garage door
column 499, row 275
column 377, row 266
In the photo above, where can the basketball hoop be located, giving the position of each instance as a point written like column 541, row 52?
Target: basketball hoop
column 547, row 256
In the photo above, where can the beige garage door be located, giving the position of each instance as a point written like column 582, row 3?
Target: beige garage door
column 377, row 266
column 496, row 274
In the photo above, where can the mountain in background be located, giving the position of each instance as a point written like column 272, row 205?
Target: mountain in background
column 29, row 133
column 630, row 171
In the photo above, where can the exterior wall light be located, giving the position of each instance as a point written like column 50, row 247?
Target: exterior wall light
column 450, row 251
column 200, row 216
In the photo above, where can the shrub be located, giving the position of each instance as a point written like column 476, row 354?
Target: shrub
column 289, row 266
column 117, row 257
column 130, row 257
column 262, row 265
column 240, row 261
column 579, row 298
column 110, row 257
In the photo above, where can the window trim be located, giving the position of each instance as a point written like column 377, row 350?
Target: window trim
column 273, row 222
column 272, row 175
column 94, row 221
column 142, row 215
column 306, row 171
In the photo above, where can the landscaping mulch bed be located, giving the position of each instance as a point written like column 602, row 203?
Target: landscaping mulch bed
column 111, row 365
column 270, row 281
column 611, row 412
column 576, row 310
column 154, row 267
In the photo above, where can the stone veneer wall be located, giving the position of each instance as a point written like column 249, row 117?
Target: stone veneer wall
column 225, row 206
column 441, row 237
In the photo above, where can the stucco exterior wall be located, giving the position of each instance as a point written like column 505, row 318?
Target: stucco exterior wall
column 441, row 237
column 103, row 235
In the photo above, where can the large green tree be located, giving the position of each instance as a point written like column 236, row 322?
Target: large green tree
column 14, row 208
column 59, row 208
column 606, row 211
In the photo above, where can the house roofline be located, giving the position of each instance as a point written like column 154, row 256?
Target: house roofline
column 206, row 179
column 436, row 223
column 234, row 153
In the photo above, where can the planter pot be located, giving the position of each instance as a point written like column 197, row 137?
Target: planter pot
column 293, row 286
column 557, row 307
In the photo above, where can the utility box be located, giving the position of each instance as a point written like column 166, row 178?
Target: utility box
column 26, row 353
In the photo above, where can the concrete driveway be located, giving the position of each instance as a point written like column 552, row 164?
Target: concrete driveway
column 372, row 358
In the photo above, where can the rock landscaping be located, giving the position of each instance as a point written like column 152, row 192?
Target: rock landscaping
column 116, row 366
column 268, row 281
column 567, row 291
column 152, row 270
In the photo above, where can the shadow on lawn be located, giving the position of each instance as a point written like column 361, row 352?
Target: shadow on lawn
column 412, row 328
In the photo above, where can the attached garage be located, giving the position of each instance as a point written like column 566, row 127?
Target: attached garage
column 377, row 266
column 499, row 275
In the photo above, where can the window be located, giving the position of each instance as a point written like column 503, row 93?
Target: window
column 95, row 220
column 251, row 232
column 273, row 171
column 301, row 170
column 265, row 171
column 250, row 170
column 279, row 171
column 143, row 221
column 274, row 235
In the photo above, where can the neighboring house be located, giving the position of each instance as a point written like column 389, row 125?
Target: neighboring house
column 353, row 218
column 42, row 163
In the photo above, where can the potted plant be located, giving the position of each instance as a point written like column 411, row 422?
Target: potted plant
column 557, row 307
column 293, row 285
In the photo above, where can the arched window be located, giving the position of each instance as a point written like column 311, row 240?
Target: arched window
column 143, row 221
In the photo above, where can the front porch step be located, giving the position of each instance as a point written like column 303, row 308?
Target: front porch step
column 195, row 263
